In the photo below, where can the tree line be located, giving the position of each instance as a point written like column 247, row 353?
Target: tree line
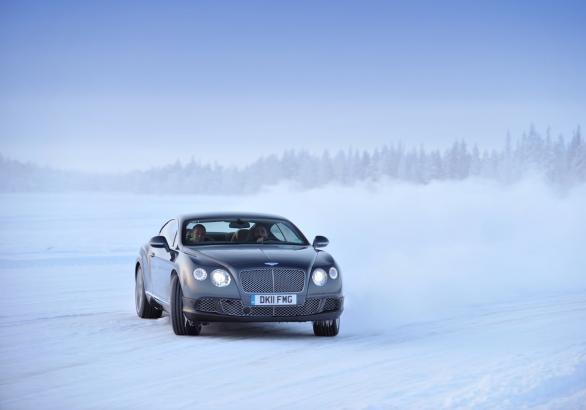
column 561, row 161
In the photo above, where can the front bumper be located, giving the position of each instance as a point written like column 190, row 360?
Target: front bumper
column 209, row 309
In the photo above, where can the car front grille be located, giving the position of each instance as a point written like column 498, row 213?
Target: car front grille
column 332, row 304
column 234, row 307
column 271, row 280
column 208, row 305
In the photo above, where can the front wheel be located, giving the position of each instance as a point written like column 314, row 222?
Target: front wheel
column 181, row 326
column 326, row 327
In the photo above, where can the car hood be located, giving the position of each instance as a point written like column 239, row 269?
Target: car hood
column 250, row 256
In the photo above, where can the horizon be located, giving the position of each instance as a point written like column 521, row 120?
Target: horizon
column 407, row 147
column 106, row 85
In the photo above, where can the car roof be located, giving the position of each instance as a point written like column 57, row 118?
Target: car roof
column 230, row 215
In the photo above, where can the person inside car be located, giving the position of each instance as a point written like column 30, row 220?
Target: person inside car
column 198, row 233
column 260, row 234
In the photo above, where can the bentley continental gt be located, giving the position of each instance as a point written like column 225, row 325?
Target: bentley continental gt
column 233, row 267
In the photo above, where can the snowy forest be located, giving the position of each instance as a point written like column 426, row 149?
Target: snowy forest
column 561, row 161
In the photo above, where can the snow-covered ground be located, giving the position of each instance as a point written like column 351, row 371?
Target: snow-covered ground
column 466, row 295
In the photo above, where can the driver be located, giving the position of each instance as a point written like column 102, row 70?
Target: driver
column 260, row 233
column 198, row 233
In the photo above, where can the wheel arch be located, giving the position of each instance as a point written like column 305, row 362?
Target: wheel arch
column 185, row 280
column 172, row 275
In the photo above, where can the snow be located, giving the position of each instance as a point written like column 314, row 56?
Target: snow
column 459, row 295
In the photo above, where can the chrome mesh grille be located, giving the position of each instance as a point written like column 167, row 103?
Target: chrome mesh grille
column 207, row 305
column 289, row 280
column 270, row 280
column 257, row 280
column 234, row 307
column 331, row 304
column 310, row 307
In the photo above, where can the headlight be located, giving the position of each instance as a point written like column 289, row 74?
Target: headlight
column 319, row 277
column 220, row 278
column 200, row 274
column 333, row 273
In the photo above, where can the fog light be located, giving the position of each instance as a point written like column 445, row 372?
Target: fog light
column 200, row 274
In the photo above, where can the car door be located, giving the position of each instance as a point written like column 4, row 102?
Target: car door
column 168, row 259
column 160, row 261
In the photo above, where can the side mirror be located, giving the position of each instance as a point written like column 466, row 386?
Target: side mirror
column 159, row 241
column 320, row 242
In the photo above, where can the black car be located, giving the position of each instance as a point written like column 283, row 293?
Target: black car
column 237, row 268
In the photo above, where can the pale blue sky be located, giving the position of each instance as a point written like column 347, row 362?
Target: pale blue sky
column 122, row 85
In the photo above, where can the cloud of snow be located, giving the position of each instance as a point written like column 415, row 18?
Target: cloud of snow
column 416, row 252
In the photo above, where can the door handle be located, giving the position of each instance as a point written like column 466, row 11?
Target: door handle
column 151, row 254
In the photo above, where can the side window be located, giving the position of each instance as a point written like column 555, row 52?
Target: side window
column 290, row 236
column 169, row 231
column 277, row 233
column 163, row 228
column 172, row 234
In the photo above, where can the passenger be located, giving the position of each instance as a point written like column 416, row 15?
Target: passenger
column 260, row 233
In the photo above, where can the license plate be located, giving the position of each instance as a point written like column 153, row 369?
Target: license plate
column 273, row 300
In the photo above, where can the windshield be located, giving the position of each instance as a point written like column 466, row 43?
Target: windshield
column 241, row 231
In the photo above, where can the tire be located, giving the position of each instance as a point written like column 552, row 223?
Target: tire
column 181, row 326
column 144, row 309
column 328, row 328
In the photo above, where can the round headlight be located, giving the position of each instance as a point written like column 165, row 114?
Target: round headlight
column 220, row 278
column 319, row 277
column 200, row 274
column 333, row 273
